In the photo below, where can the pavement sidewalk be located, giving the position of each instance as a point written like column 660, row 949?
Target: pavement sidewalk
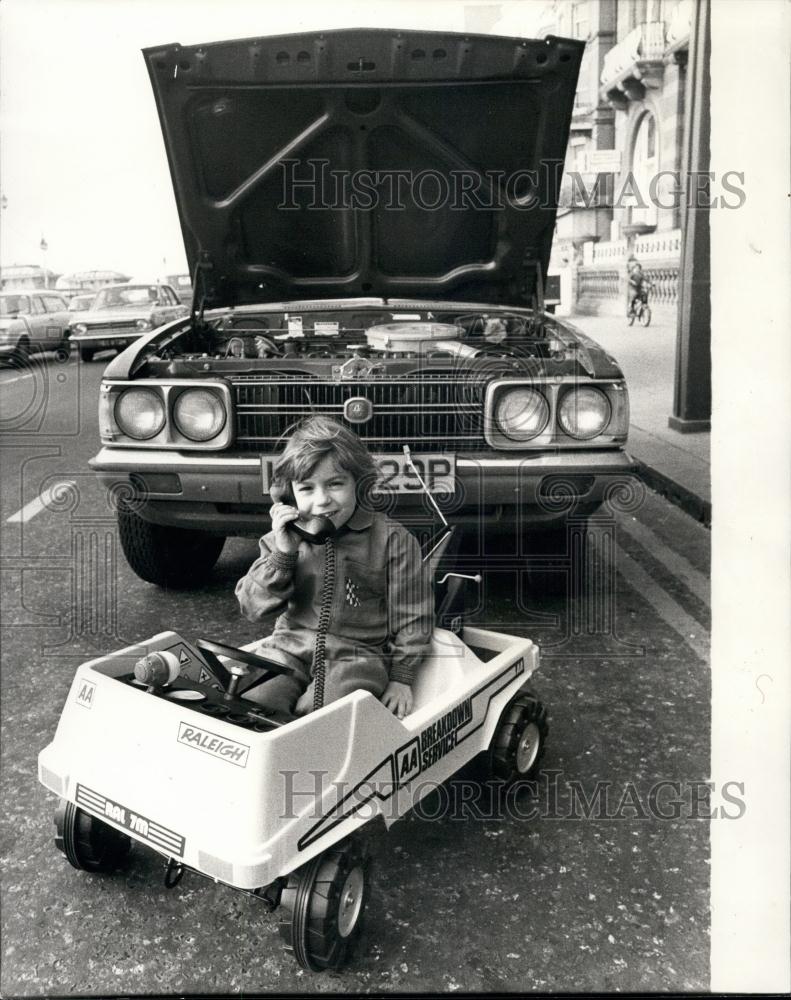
column 676, row 465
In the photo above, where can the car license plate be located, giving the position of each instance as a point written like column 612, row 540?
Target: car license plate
column 437, row 471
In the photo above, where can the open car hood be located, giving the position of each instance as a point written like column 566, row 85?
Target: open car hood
column 367, row 162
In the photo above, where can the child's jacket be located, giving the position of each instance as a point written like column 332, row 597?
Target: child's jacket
column 381, row 599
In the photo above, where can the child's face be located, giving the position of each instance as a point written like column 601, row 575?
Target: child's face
column 329, row 490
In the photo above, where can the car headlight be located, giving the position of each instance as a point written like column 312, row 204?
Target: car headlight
column 80, row 328
column 144, row 324
column 199, row 414
column 522, row 414
column 139, row 413
column 584, row 413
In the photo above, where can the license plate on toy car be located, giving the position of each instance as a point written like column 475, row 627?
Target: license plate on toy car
column 437, row 471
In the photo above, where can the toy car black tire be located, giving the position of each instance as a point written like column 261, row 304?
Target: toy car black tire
column 88, row 844
column 518, row 743
column 181, row 558
column 86, row 353
column 323, row 905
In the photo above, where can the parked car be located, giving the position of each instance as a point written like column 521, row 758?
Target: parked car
column 182, row 283
column 413, row 323
column 32, row 321
column 119, row 314
column 81, row 303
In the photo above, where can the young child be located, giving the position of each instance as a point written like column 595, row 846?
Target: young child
column 382, row 610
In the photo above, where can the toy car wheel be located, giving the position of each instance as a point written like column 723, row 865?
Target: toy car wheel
column 166, row 556
column 86, row 353
column 518, row 743
column 88, row 844
column 323, row 905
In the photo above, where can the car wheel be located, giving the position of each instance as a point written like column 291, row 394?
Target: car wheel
column 63, row 352
column 571, row 557
column 86, row 353
column 19, row 359
column 518, row 743
column 181, row 558
column 323, row 904
column 88, row 843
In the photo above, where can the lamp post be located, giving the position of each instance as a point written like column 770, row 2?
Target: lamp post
column 44, row 246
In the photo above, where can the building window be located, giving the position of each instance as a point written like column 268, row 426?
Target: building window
column 645, row 164
column 580, row 20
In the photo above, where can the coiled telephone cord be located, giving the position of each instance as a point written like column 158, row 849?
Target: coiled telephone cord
column 319, row 664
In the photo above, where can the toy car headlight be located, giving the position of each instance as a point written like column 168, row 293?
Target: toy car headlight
column 522, row 414
column 139, row 413
column 80, row 328
column 144, row 324
column 199, row 414
column 584, row 413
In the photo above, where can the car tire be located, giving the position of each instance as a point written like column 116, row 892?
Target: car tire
column 517, row 746
column 179, row 558
column 323, row 906
column 63, row 351
column 89, row 844
column 563, row 581
column 86, row 353
column 21, row 355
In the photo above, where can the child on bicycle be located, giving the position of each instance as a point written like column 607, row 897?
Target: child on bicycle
column 638, row 285
column 381, row 614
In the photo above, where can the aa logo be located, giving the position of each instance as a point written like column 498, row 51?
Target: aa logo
column 408, row 762
column 85, row 693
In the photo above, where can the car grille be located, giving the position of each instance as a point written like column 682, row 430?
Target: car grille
column 436, row 411
column 118, row 325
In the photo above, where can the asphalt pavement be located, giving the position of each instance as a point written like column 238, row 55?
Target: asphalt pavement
column 597, row 879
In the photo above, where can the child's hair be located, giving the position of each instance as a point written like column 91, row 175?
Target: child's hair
column 313, row 440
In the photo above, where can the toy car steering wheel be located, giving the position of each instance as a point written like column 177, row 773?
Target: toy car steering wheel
column 246, row 657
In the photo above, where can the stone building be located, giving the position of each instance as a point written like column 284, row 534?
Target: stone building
column 621, row 194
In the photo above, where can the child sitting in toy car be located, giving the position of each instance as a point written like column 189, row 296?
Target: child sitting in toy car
column 361, row 602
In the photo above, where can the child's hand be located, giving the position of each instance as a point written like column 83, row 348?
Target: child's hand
column 282, row 514
column 398, row 698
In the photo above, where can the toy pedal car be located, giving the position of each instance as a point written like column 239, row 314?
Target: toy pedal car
column 157, row 744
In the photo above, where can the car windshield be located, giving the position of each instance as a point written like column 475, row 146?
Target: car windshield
column 12, row 305
column 80, row 302
column 131, row 295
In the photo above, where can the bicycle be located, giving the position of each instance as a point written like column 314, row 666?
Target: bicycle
column 639, row 309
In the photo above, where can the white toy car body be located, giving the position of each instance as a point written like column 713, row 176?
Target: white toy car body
column 215, row 786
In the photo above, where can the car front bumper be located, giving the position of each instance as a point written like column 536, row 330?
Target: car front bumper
column 224, row 494
column 106, row 339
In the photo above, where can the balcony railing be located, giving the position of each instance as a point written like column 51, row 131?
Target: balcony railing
column 646, row 42
column 635, row 63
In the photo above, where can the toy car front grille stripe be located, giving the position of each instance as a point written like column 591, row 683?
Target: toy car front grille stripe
column 429, row 409
column 158, row 836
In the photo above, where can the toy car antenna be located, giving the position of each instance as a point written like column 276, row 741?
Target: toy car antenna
column 446, row 527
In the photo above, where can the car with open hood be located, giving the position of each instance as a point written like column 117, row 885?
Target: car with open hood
column 368, row 217
column 119, row 314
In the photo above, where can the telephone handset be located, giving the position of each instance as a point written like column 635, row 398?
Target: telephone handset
column 315, row 530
